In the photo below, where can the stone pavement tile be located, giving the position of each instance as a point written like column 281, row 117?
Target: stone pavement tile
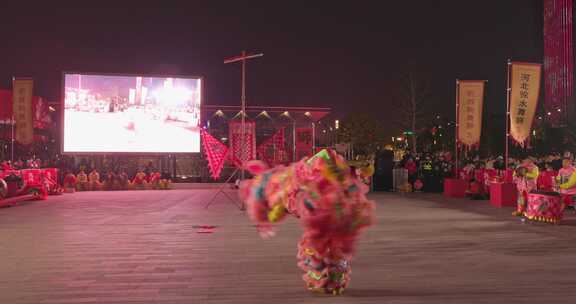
column 142, row 247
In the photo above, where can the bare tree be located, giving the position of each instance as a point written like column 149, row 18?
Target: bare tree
column 363, row 131
column 410, row 105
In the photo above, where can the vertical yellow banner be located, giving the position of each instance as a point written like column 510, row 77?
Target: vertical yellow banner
column 22, row 93
column 470, row 103
column 525, row 89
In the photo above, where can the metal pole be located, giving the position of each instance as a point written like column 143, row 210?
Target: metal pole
column 243, row 57
column 456, row 128
column 12, row 122
column 174, row 172
column 508, row 90
column 243, row 110
column 313, row 138
column 293, row 140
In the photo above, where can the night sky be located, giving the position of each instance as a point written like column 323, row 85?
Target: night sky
column 349, row 57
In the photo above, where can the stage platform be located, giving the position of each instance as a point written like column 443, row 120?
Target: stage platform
column 149, row 247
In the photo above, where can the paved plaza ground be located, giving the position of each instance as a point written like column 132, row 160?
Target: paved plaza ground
column 146, row 247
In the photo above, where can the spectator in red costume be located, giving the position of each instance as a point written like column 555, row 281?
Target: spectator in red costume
column 70, row 182
column 412, row 169
column 154, row 180
column 139, row 179
column 546, row 178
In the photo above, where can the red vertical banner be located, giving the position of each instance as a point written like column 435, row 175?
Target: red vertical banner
column 242, row 146
column 22, row 94
column 524, row 93
column 41, row 113
column 469, row 119
column 5, row 106
column 304, row 144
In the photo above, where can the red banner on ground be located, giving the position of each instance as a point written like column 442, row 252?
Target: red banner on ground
column 216, row 153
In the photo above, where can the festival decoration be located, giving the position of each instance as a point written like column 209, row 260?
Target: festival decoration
column 330, row 202
column 558, row 59
column 216, row 153
column 304, row 144
column 525, row 89
column 272, row 151
column 242, row 146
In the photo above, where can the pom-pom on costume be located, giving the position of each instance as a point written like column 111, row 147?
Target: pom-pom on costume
column 329, row 200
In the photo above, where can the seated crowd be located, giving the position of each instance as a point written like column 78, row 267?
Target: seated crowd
column 115, row 180
column 84, row 177
column 426, row 173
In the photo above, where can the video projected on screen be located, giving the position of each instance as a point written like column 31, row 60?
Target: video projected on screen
column 111, row 114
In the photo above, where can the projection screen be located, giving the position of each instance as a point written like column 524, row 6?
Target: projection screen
column 131, row 114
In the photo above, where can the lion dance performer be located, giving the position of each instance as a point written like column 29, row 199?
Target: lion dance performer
column 566, row 182
column 329, row 200
column 525, row 178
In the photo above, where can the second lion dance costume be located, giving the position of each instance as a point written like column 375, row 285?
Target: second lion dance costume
column 328, row 198
column 566, row 182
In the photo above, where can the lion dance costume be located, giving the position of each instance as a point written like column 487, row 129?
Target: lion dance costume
column 328, row 198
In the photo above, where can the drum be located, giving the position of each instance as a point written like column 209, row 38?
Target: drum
column 545, row 207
